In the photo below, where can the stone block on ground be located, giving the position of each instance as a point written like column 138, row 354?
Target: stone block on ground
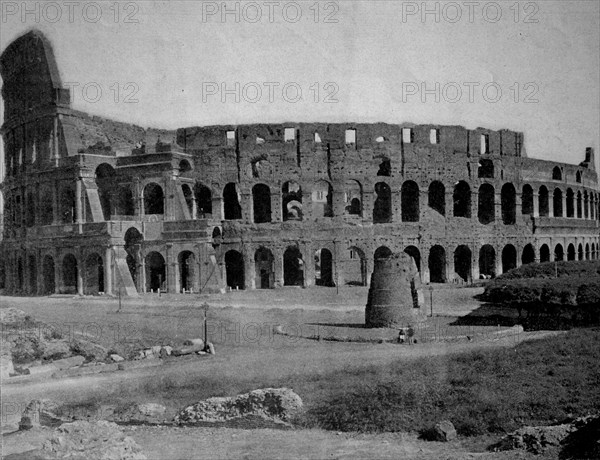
column 264, row 407
column 444, row 431
column 116, row 358
column 143, row 413
column 56, row 349
column 42, row 412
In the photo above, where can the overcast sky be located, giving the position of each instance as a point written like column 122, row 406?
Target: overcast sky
column 526, row 66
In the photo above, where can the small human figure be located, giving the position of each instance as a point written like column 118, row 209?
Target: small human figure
column 401, row 336
column 410, row 332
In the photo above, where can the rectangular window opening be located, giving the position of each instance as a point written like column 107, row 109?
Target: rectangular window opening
column 434, row 136
column 317, row 138
column 407, row 135
column 351, row 136
column 485, row 143
column 230, row 138
column 289, row 135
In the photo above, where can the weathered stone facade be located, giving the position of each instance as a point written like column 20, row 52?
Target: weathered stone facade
column 92, row 204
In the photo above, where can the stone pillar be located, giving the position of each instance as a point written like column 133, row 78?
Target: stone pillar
column 172, row 270
column 57, row 272
column 499, row 263
column 55, row 204
column 278, row 266
column 141, row 273
column 307, row 252
column 249, row 269
column 78, row 202
column 519, row 260
column 194, row 207
column 247, row 207
column 536, row 204
column 474, row 263
column 338, row 201
column 276, row 205
column 108, row 270
column 217, row 208
column 550, row 205
column 564, row 204
column 368, row 199
column 498, row 207
column 425, row 273
column 80, row 270
column 450, row 202
column 307, row 211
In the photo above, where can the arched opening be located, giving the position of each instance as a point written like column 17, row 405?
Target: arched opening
column 291, row 201
column 187, row 270
column 133, row 241
column 355, row 272
column 585, row 205
column 508, row 200
column 263, row 263
column 487, row 261
column 189, row 198
column 437, row 197
column 261, row 202
column 579, row 206
column 154, row 199
column 382, row 252
column 203, row 200
column 353, row 195
column 556, row 173
column 462, row 200
column 544, row 253
column 414, row 252
column 107, row 186
column 231, row 202
column 587, row 252
column 69, row 272
column 571, row 252
column 46, row 207
column 382, row 209
column 527, row 200
column 124, row 201
column 67, row 205
column 559, row 252
column 580, row 252
column 570, row 203
column 324, row 268
column 578, row 177
column 437, row 264
column 385, row 168
column 234, row 269
column 410, row 201
column 94, row 275
column 462, row 262
column 32, row 271
column 293, row 267
column 48, row 275
column 509, row 258
column 485, row 206
column 322, row 199
column 543, row 201
column 184, row 167
column 528, row 256
column 485, row 169
column 557, row 202
column 156, row 272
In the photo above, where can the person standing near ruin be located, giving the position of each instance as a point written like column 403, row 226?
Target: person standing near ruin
column 410, row 332
column 401, row 336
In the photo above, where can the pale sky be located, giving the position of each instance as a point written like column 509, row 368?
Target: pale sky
column 372, row 59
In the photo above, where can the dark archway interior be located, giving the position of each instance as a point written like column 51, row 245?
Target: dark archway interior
column 508, row 200
column 485, row 208
column 413, row 251
column 234, row 269
column 156, row 271
column 528, row 256
column 293, row 267
column 410, row 201
column 437, row 197
column 437, row 264
column 382, row 209
column 261, row 202
column 231, row 202
column 509, row 258
column 487, row 261
column 154, row 199
column 265, row 274
column 462, row 262
column 462, row 200
column 324, row 268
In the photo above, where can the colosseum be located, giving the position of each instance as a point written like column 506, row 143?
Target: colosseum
column 96, row 206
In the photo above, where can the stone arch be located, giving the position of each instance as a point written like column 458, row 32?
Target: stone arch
column 354, row 197
column 107, row 186
column 437, row 264
column 322, row 199
column 324, row 268
column 508, row 203
column 586, row 203
column 203, row 196
column 559, row 252
column 189, row 197
column 94, row 274
column 48, row 275
column 382, row 252
column 234, row 270
column 556, row 173
column 291, row 202
column 528, row 256
column 154, row 199
column 487, row 261
column 382, row 209
column 67, row 205
column 527, row 200
column 355, row 270
column 156, row 271
column 570, row 203
column 509, row 258
column 261, row 202
column 414, row 252
column 437, row 197
column 580, row 255
column 264, row 267
column 462, row 199
column 462, row 262
column 557, row 202
column 544, row 253
column 69, row 274
column 231, row 202
column 293, row 267
column 587, row 252
column 578, row 177
column 187, row 270
column 185, row 167
column 571, row 254
column 543, row 201
column 410, row 201
column 124, row 201
column 485, row 206
column 579, row 205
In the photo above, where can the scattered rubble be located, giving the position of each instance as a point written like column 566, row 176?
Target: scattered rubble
column 42, row 412
column 265, row 407
column 145, row 413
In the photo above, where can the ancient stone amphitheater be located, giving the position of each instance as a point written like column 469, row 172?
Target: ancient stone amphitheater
column 92, row 205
